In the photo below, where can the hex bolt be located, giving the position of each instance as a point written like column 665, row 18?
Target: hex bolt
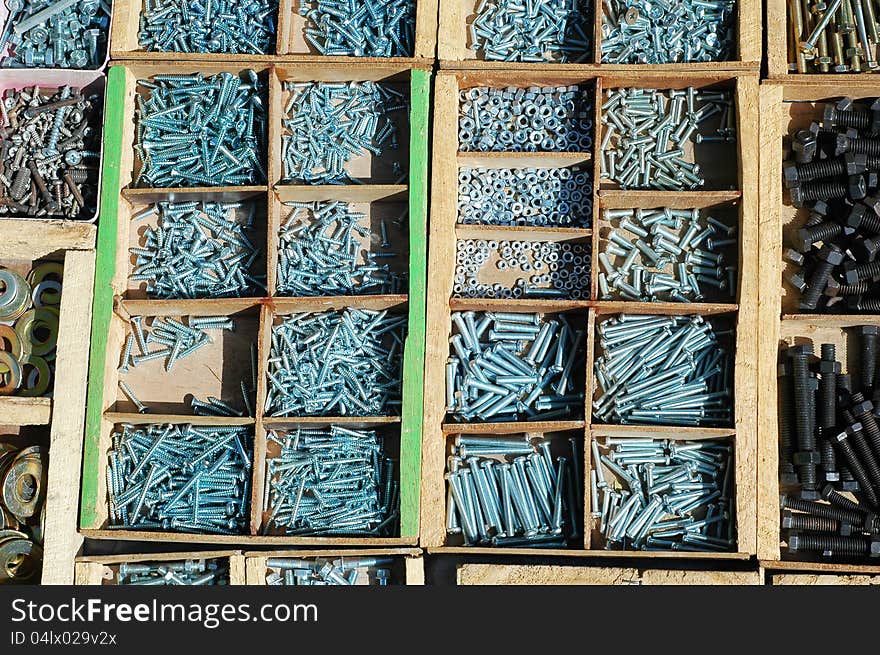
column 843, row 446
column 830, row 256
column 833, row 545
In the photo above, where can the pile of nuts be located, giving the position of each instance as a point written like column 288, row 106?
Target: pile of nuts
column 672, row 255
column 513, row 491
column 829, row 442
column 846, row 45
column 526, row 119
column 343, row 363
column 554, row 30
column 835, row 167
column 329, row 124
column 512, row 366
column 662, row 370
column 190, row 572
column 540, row 197
column 197, row 250
column 331, row 481
column 659, row 494
column 324, row 250
column 50, row 142
column 195, row 131
column 554, row 269
column 647, row 131
column 22, row 511
column 29, row 329
column 381, row 28
column 290, row 571
column 181, row 478
column 55, row 34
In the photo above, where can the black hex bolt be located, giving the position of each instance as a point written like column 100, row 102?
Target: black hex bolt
column 835, row 498
column 806, row 458
column 833, row 545
column 863, row 410
column 841, row 443
column 785, row 390
column 824, row 231
column 821, row 509
column 855, row 188
column 792, row 521
column 830, row 256
column 845, row 165
column 843, row 115
column 804, row 145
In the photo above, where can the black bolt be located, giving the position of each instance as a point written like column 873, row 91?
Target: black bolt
column 865, row 456
column 835, row 288
column 869, row 334
column 863, row 410
column 806, row 458
column 833, row 545
column 864, row 304
column 835, row 498
column 786, row 441
column 841, row 443
column 840, row 514
column 829, row 460
column 848, row 164
column 824, row 231
column 829, row 368
column 843, row 115
column 804, row 146
column 792, row 521
column 854, row 188
column 863, row 146
column 830, row 256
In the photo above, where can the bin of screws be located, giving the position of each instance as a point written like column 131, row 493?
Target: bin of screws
column 659, row 139
column 329, row 248
column 344, row 132
column 246, row 27
column 198, row 250
column 29, row 306
column 522, row 269
column 642, row 32
column 155, row 346
column 514, row 491
column 833, row 174
column 668, row 255
column 50, row 151
column 200, row 130
column 526, row 119
column 663, row 494
column 386, row 28
column 538, row 197
column 554, row 31
column 180, row 478
column 22, row 511
column 69, row 34
column 506, row 366
column 664, row 370
column 354, row 570
column 829, row 449
column 190, row 572
column 348, row 363
column 331, row 481
column 840, row 36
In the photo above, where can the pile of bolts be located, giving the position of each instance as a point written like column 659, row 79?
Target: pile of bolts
column 343, row 571
column 839, row 36
column 190, row 572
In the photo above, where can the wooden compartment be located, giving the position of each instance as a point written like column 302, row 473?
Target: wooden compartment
column 454, row 42
column 821, row 574
column 219, row 367
column 64, row 412
column 785, row 106
column 290, row 43
column 104, row 569
column 544, row 574
column 740, row 204
column 408, row 567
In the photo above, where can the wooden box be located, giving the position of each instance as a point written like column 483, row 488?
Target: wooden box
column 118, row 298
column 408, row 567
column 104, row 569
column 532, row 574
column 290, row 42
column 454, row 43
column 445, row 231
column 58, row 420
column 822, row 574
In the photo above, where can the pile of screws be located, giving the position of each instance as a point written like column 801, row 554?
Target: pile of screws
column 289, row 571
column 663, row 370
column 29, row 329
column 383, row 28
column 344, row 362
column 324, row 250
column 195, row 572
column 646, row 133
column 179, row 340
column 505, row 366
column 22, row 511
column 49, row 153
column 526, row 119
column 541, row 197
column 201, row 131
column 558, row 270
column 664, row 494
column 829, row 440
column 512, row 491
column 835, row 166
column 197, row 250
column 508, row 30
column 328, row 124
column 59, row 34
column 331, row 481
column 220, row 26
column 644, row 32
column 683, row 255
column 846, row 45
column 180, row 478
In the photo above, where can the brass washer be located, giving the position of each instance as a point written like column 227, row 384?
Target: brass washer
column 23, row 486
column 20, row 559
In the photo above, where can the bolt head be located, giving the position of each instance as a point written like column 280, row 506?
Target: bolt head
column 790, row 174
column 829, row 367
column 875, row 547
column 800, row 350
column 832, row 289
column 840, row 437
column 857, row 187
column 829, row 116
column 873, row 202
column 797, row 196
column 808, row 494
column 855, row 216
column 804, row 146
column 831, row 254
column 793, row 541
column 866, row 250
column 864, row 407
column 803, row 241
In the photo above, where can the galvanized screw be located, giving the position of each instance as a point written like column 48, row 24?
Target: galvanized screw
column 381, row 28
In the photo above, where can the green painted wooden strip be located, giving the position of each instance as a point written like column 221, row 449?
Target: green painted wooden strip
column 414, row 356
column 102, row 305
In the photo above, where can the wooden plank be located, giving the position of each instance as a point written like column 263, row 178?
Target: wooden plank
column 584, row 554
column 543, row 574
column 21, row 410
column 823, row 579
column 17, row 236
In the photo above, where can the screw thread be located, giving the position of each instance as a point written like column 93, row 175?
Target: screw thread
column 857, row 289
column 863, row 146
column 786, row 442
column 851, row 118
column 807, row 522
column 829, row 457
column 869, row 422
column 818, row 282
column 836, row 544
column 824, row 231
column 852, row 517
column 855, row 466
column 838, row 499
column 820, row 168
column 868, row 305
column 824, row 190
